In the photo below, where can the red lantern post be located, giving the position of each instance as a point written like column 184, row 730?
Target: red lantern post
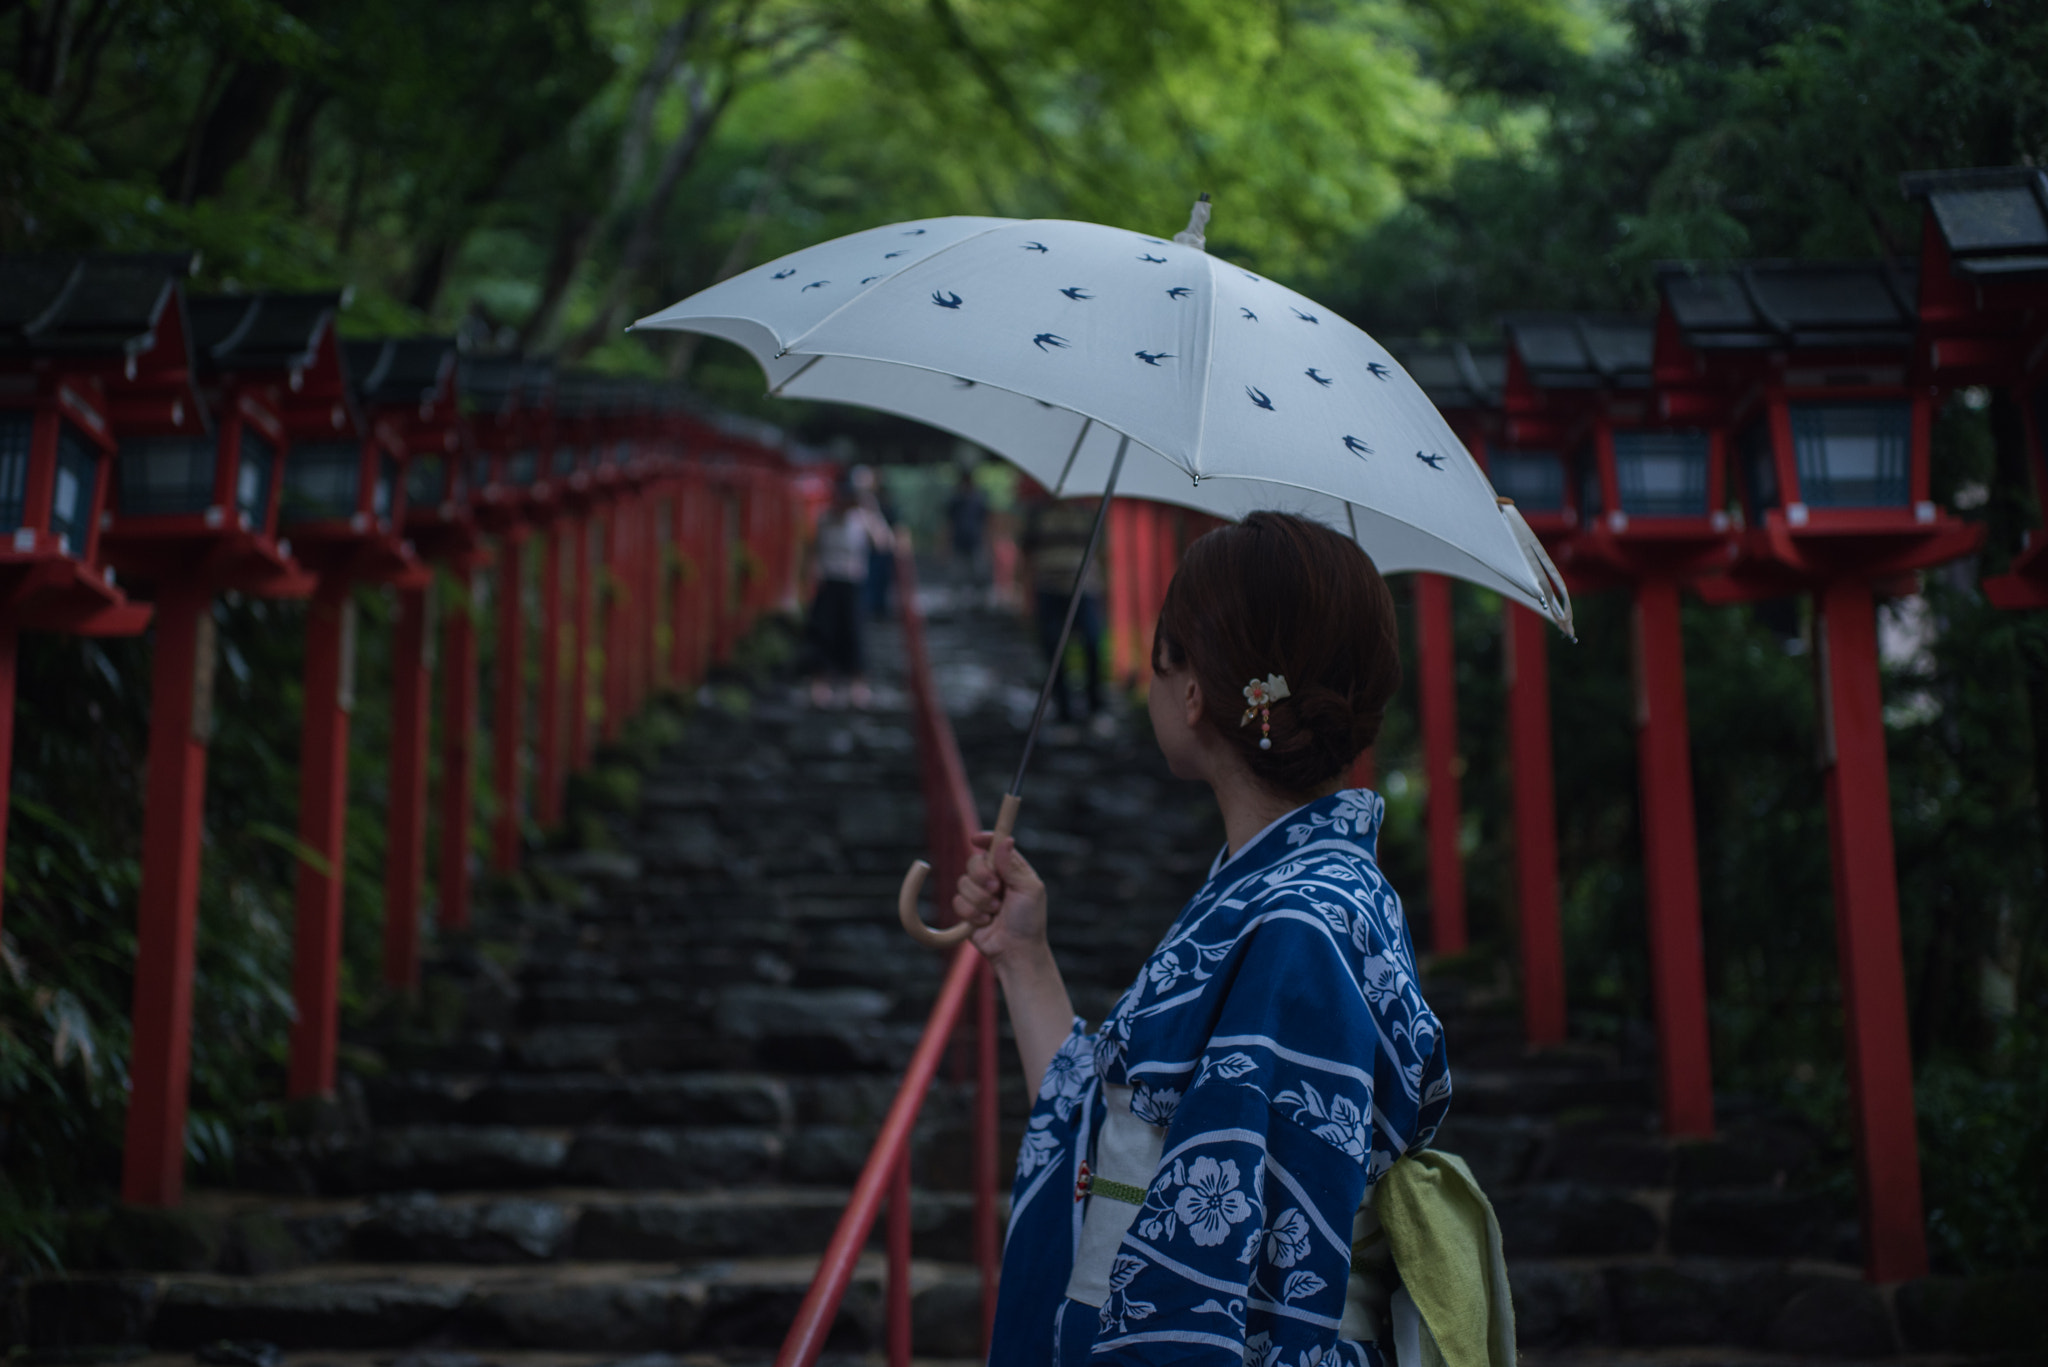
column 511, row 402
column 1983, row 310
column 1646, row 489
column 194, row 512
column 56, row 461
column 407, row 388
column 340, row 500
column 1831, row 454
column 1465, row 384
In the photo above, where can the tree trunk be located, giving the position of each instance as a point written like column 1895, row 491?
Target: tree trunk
column 430, row 272
column 573, row 230
column 684, row 351
column 239, row 117
column 639, row 251
column 295, row 145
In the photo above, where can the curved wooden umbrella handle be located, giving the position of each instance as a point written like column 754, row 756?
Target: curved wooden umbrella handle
column 913, row 886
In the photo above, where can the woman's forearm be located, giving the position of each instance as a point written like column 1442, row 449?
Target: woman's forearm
column 1041, row 1012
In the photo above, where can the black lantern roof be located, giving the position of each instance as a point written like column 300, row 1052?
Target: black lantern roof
column 1583, row 350
column 1994, row 220
column 496, row 384
column 262, row 331
column 1768, row 305
column 399, row 371
column 1454, row 375
column 88, row 304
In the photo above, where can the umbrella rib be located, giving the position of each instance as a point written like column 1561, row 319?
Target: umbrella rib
column 1068, row 469
column 795, row 375
column 1059, row 654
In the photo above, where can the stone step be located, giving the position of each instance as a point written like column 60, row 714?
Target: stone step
column 589, row 1307
column 457, row 1157
column 248, row 1232
column 697, row 1099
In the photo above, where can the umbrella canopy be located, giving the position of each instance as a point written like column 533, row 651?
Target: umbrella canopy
column 1052, row 342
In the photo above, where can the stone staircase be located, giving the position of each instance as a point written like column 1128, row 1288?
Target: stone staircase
column 655, row 1073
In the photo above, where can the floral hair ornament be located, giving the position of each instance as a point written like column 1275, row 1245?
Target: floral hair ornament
column 1262, row 694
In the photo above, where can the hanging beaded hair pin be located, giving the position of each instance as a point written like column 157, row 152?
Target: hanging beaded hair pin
column 1262, row 694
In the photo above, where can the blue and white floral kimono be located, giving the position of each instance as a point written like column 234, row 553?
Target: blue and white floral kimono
column 1279, row 1039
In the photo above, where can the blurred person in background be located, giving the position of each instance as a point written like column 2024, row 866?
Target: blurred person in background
column 881, row 559
column 1055, row 543
column 850, row 532
column 967, row 529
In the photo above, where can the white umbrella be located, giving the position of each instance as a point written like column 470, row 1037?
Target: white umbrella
column 1050, row 342
column 1103, row 361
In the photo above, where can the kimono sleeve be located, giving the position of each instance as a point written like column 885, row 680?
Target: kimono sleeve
column 1038, row 1251
column 1242, row 1250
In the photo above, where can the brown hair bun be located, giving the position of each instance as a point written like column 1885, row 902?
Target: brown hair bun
column 1278, row 594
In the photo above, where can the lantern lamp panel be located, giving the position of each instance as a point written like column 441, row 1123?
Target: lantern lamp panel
column 1853, row 455
column 17, row 432
column 320, row 480
column 386, row 487
column 1759, row 469
column 1662, row 474
column 1533, row 479
column 252, row 476
column 524, row 465
column 1586, row 470
column 166, row 474
column 426, row 481
column 78, row 473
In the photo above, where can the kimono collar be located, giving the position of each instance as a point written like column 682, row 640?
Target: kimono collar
column 1361, row 810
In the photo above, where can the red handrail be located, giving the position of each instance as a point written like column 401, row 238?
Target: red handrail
column 949, row 819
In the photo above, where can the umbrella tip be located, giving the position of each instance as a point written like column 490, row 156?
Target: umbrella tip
column 1198, row 220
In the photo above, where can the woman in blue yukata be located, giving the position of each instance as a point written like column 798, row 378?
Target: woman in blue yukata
column 1192, row 1174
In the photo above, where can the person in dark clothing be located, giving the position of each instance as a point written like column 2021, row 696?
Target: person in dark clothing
column 881, row 562
column 967, row 526
column 848, row 533
column 1055, row 542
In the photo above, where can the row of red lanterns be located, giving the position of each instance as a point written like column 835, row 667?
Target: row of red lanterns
column 175, row 448
column 1766, row 433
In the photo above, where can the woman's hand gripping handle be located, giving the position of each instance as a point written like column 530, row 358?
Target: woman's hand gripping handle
column 913, row 885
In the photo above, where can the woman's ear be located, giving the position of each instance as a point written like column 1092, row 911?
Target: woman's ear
column 1191, row 698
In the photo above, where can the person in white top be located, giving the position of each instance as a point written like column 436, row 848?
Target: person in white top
column 847, row 531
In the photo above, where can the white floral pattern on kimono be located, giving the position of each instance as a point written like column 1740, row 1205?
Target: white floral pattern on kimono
column 1279, row 1035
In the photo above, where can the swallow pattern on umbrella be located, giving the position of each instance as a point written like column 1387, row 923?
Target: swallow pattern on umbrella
column 1049, row 339
column 1038, row 247
column 1324, row 380
column 1258, row 396
column 1076, row 292
column 1179, row 292
column 946, row 299
column 1432, row 460
column 1153, row 358
column 1356, row 447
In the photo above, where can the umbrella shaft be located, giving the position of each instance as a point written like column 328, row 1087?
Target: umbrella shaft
column 1059, row 652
